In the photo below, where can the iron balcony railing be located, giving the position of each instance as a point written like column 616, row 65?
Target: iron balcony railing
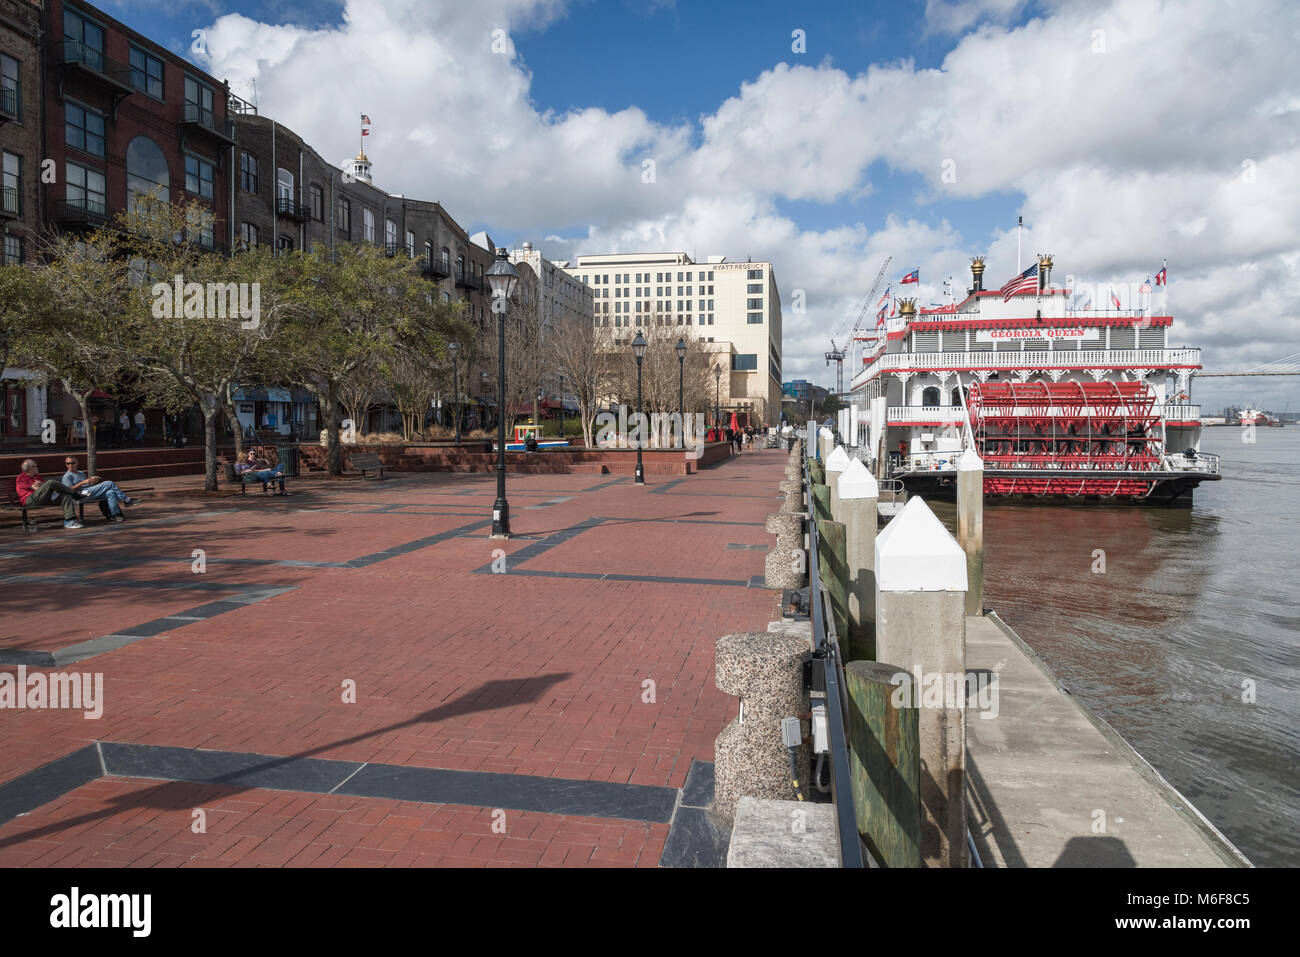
column 290, row 208
column 9, row 102
column 467, row 280
column 9, row 201
column 83, row 211
column 826, row 657
column 198, row 116
column 436, row 268
column 77, row 54
column 393, row 249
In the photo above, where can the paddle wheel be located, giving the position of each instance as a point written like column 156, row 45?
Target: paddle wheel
column 1067, row 438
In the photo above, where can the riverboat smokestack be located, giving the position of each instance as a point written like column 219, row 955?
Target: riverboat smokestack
column 1044, row 271
column 977, row 274
column 907, row 307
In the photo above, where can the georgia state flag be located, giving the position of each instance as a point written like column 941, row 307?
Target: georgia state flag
column 913, row 276
column 1160, row 277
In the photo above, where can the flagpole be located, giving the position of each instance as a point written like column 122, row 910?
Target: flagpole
column 1164, row 288
column 1020, row 221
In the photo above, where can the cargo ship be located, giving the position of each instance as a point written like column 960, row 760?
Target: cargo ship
column 1061, row 403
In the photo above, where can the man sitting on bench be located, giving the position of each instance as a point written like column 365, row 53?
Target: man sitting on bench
column 94, row 489
column 34, row 491
column 261, row 470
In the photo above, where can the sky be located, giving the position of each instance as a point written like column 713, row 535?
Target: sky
column 824, row 137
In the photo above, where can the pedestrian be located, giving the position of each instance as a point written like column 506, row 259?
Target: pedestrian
column 139, row 426
column 34, row 490
column 123, row 428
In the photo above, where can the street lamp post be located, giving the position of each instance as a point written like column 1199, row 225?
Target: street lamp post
column 681, row 378
column 501, row 277
column 561, row 405
column 638, row 350
column 454, row 347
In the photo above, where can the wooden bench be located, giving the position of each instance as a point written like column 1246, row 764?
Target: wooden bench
column 243, row 480
column 366, row 462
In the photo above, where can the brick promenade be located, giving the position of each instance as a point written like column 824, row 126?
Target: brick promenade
column 499, row 719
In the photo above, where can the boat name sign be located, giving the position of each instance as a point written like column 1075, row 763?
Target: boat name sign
column 1076, row 333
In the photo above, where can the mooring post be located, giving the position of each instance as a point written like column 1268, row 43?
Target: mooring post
column 859, row 493
column 970, row 526
column 836, row 463
column 921, row 627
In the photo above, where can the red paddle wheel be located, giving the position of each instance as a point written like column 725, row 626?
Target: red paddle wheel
column 1028, row 433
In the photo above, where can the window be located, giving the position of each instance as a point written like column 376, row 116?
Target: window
column 390, row 235
column 200, row 228
column 198, row 103
column 745, row 363
column 754, row 274
column 248, row 172
column 146, row 73
column 755, row 304
column 460, row 266
column 284, row 184
column 710, row 302
column 755, row 318
column 284, row 242
column 83, row 40
column 83, row 129
column 688, row 277
column 345, row 216
column 198, row 177
column 13, row 251
column 679, row 277
column 410, row 244
column 930, row 396
column 146, row 171
column 11, row 183
column 428, row 254
column 368, row 225
column 317, row 203
column 248, row 235
column 710, row 280
column 11, row 86
column 688, row 291
column 754, row 287
column 85, row 188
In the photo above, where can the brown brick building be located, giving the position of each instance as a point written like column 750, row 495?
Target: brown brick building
column 20, row 128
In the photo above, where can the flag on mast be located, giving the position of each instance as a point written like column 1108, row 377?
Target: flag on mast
column 1161, row 276
column 365, row 125
column 913, row 276
column 1026, row 280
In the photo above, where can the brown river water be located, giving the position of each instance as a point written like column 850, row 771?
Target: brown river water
column 1196, row 609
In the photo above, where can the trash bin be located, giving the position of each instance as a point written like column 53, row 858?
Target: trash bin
column 231, row 477
column 289, row 459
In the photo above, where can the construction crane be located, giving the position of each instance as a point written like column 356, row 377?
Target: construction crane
column 836, row 354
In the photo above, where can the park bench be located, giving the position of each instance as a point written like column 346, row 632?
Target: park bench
column 243, row 480
column 11, row 504
column 367, row 462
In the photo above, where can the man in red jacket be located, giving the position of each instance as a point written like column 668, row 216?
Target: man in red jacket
column 33, row 490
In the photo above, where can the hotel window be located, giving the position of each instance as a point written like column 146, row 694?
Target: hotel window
column 146, row 73
column 83, row 129
column 368, row 225
column 688, row 291
column 198, row 177
column 755, row 303
column 688, row 277
column 345, row 216
column 710, row 301
column 11, row 86
column 248, row 235
column 85, row 187
column 11, row 183
column 755, row 318
column 198, row 103
column 754, row 274
column 710, row 278
column 248, row 172
column 83, row 40
column 317, row 203
column 679, row 291
column 710, row 288
column 659, row 277
column 754, row 287
column 745, row 363
column 701, row 309
column 13, row 251
column 410, row 244
column 679, row 277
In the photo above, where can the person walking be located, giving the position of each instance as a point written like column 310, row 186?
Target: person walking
column 123, row 428
column 139, row 426
column 34, row 490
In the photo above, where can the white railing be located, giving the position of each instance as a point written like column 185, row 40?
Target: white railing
column 1178, row 413
column 946, row 414
column 1197, row 462
column 1037, row 359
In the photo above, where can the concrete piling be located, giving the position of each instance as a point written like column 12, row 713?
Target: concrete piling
column 970, row 526
column 836, row 463
column 921, row 627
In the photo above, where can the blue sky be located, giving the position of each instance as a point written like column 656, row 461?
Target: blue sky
column 1078, row 114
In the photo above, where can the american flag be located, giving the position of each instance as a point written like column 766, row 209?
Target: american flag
column 1026, row 280
column 1115, row 299
column 1146, row 286
column 880, row 317
column 885, row 298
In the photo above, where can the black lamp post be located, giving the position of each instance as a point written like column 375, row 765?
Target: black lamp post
column 501, row 277
column 454, row 347
column 638, row 350
column 561, row 405
column 681, row 378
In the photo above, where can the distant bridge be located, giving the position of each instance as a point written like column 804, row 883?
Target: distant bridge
column 1288, row 365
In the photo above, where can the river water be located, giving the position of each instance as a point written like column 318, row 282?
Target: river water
column 1188, row 643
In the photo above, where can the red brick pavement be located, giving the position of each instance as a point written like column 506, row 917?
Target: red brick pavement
column 440, row 656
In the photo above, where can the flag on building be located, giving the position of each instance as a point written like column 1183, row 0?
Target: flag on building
column 1146, row 286
column 1160, row 276
column 885, row 298
column 1087, row 301
column 365, row 125
column 880, row 317
column 913, row 276
column 1026, row 280
column 1115, row 299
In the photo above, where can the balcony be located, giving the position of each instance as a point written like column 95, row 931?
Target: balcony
column 289, row 208
column 466, row 280
column 925, row 415
column 8, row 105
column 92, row 64
column 8, row 203
column 1178, row 413
column 1189, row 358
column 198, row 118
column 392, row 250
column 81, row 213
column 436, row 269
